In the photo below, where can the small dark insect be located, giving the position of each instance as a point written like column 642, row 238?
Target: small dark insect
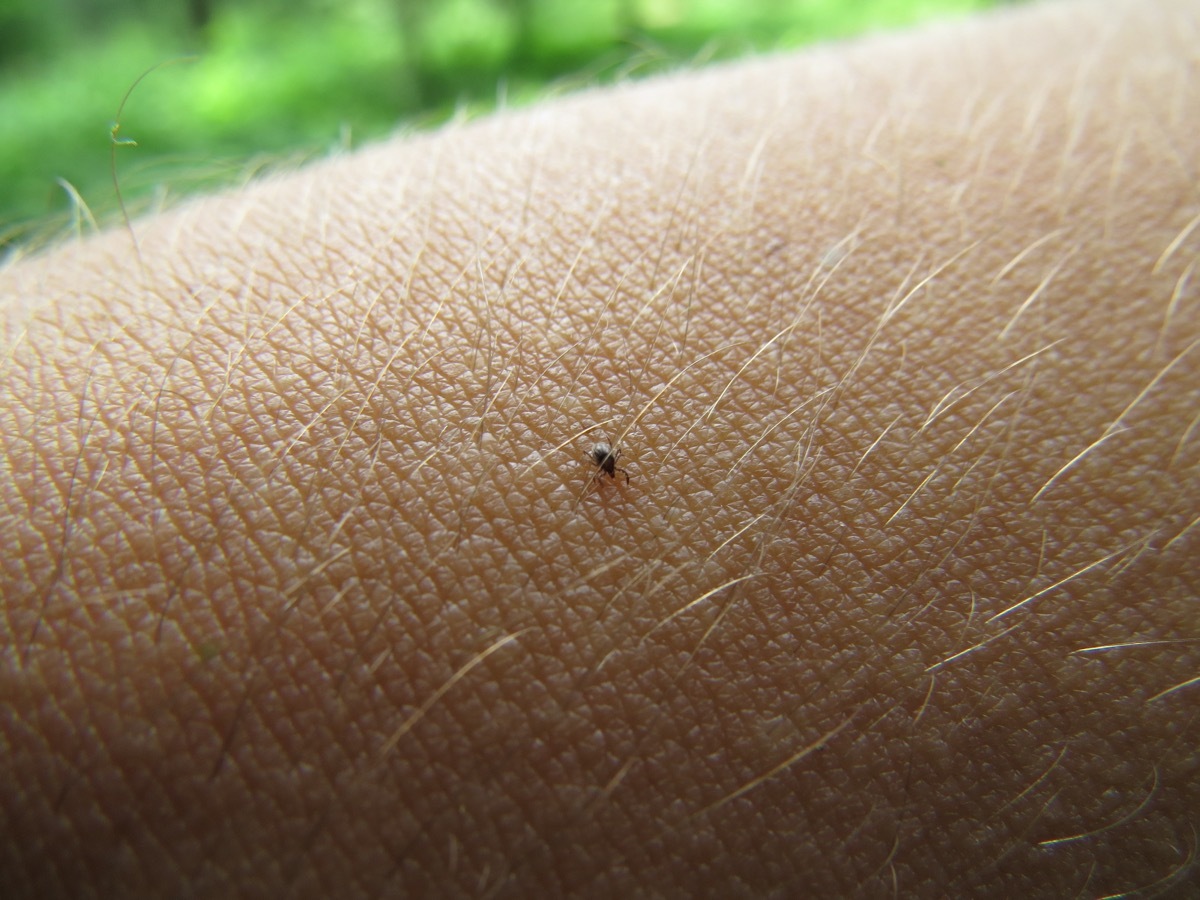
column 604, row 457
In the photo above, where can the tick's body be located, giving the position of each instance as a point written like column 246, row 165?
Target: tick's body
column 604, row 457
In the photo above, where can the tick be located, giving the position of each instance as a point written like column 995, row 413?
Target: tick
column 604, row 458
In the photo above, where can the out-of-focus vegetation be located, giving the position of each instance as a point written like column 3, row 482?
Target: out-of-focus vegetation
column 280, row 80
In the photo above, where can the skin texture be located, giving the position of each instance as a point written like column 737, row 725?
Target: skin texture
column 310, row 586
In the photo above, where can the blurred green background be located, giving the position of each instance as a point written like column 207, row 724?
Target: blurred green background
column 276, row 81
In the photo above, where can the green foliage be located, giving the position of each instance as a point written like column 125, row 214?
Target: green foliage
column 277, row 80
column 465, row 35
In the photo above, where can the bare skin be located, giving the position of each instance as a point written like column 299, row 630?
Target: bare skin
column 312, row 585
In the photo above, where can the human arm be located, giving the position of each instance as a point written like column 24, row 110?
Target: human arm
column 307, row 581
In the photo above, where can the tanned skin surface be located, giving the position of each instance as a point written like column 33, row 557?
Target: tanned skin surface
column 310, row 587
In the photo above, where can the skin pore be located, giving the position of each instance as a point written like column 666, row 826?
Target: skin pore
column 310, row 585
